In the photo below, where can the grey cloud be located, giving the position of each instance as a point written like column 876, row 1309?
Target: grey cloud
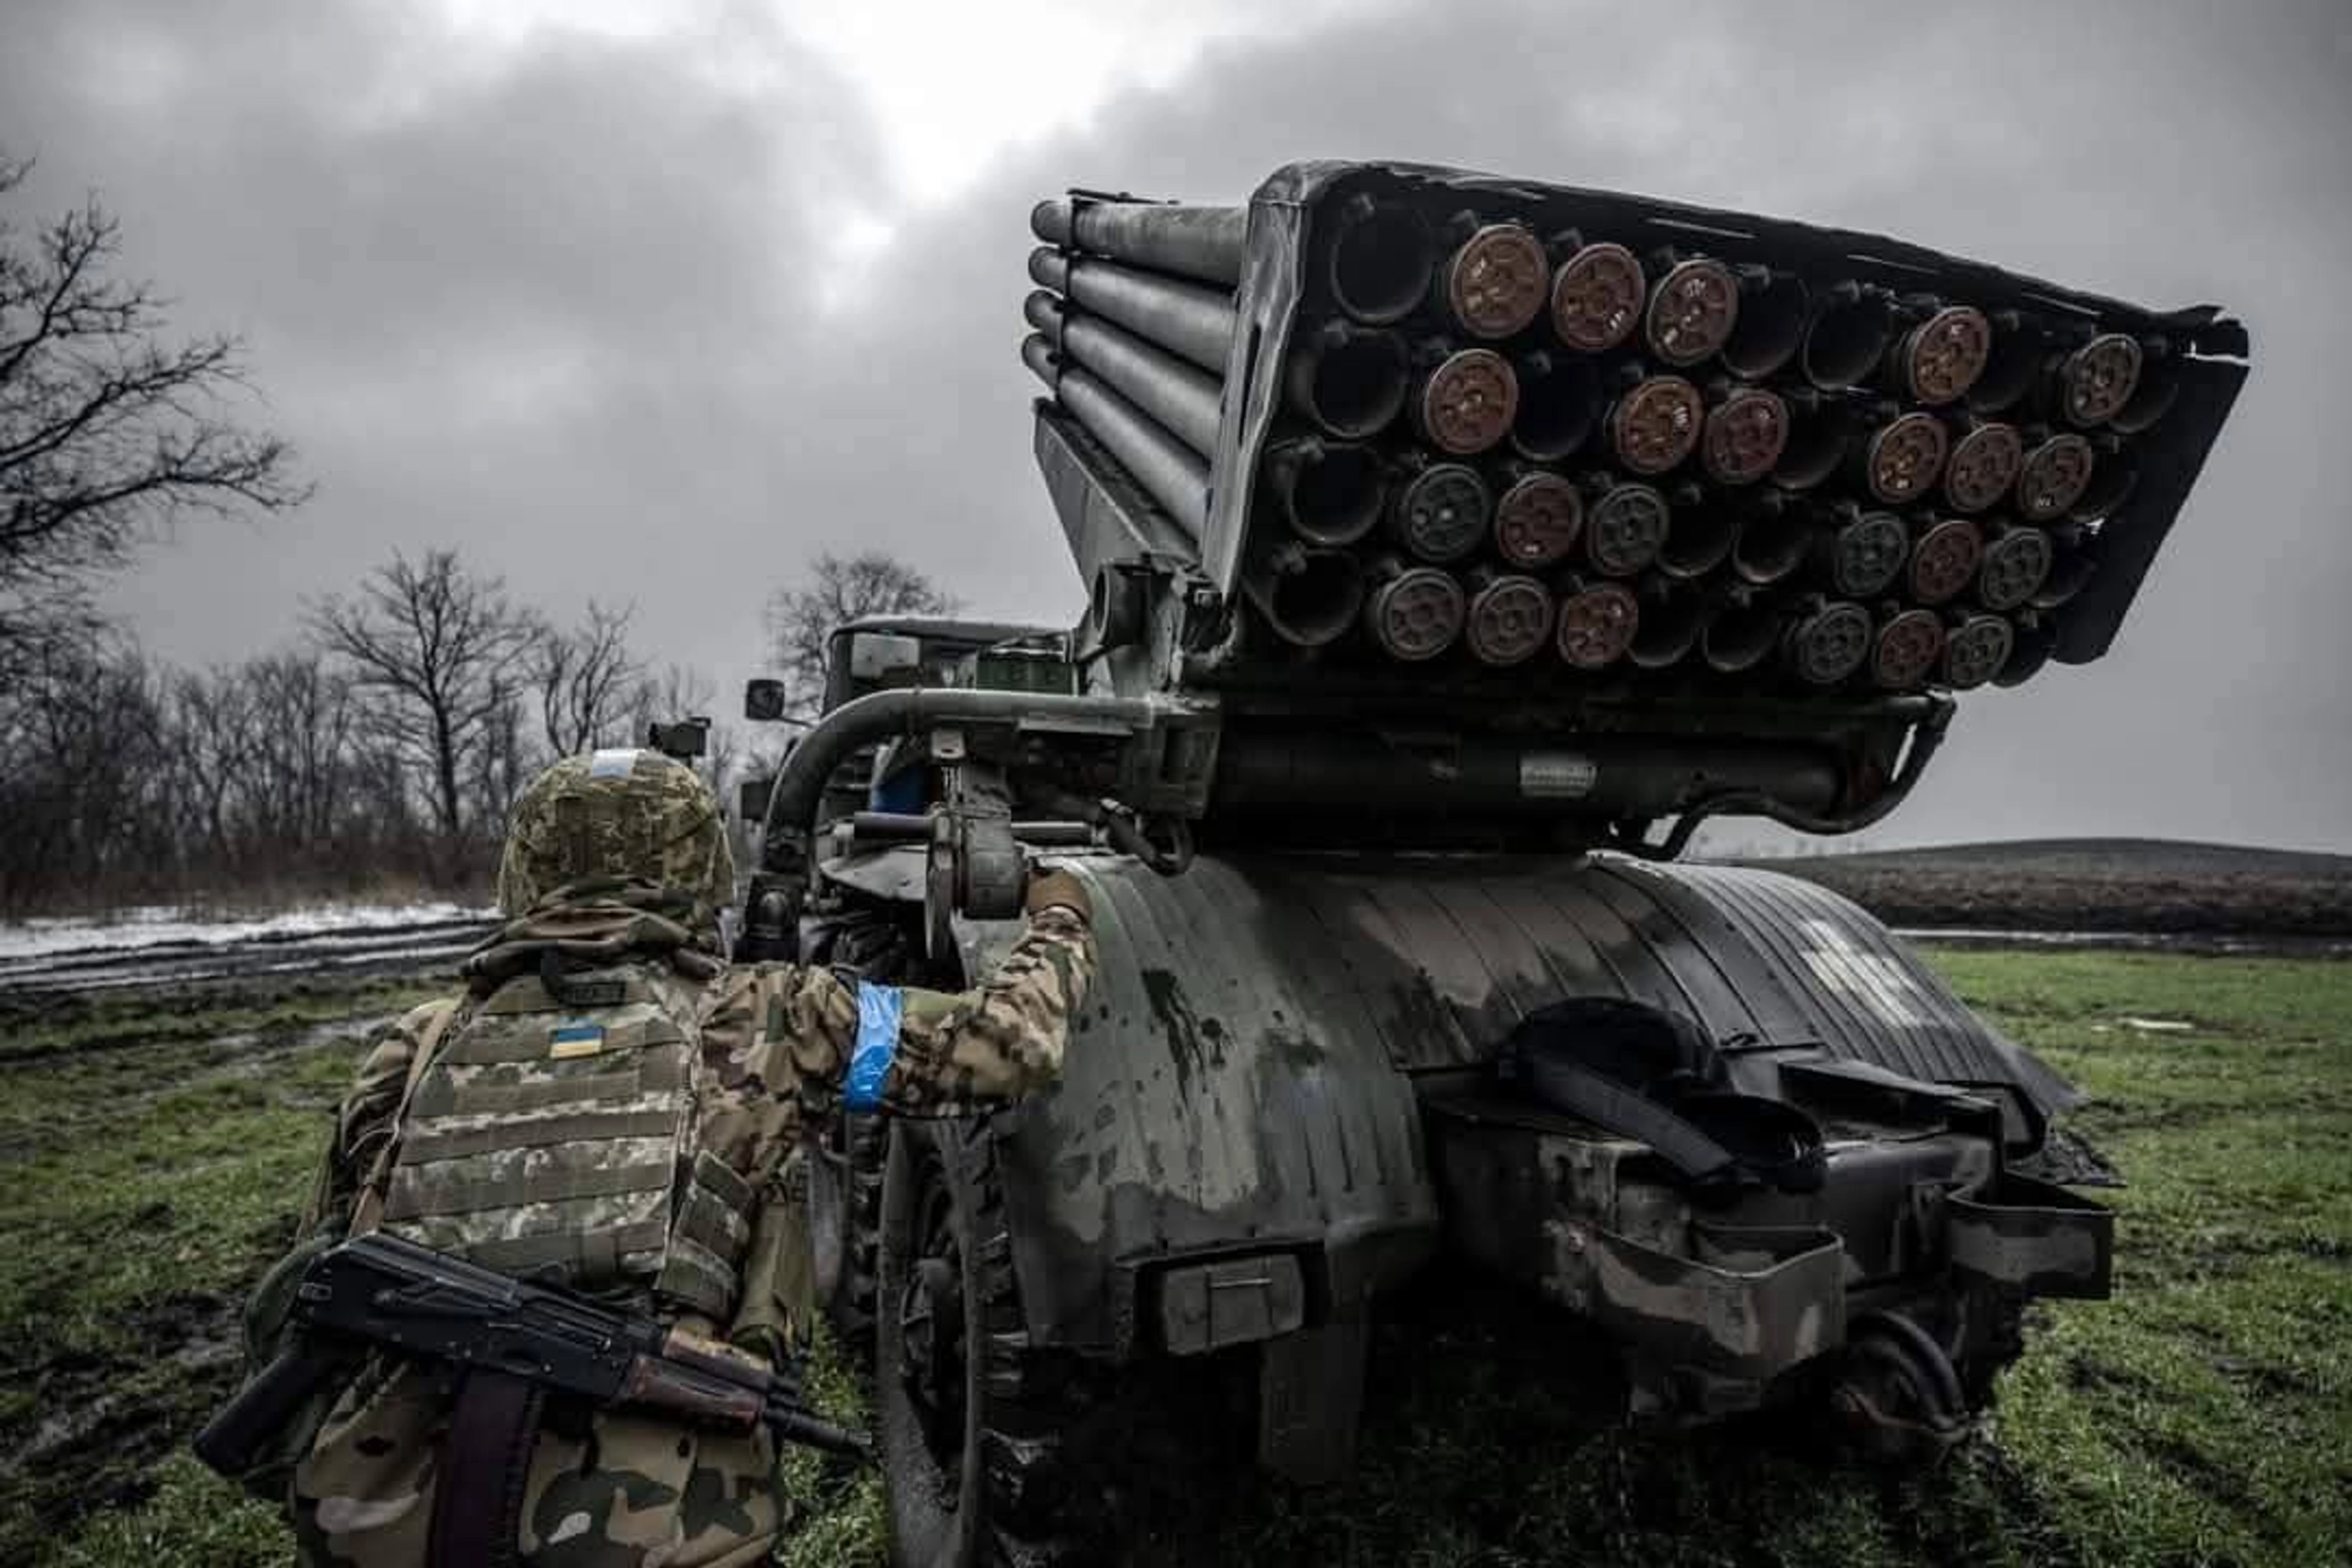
column 569, row 313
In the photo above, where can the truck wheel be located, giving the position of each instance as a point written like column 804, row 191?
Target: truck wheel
column 973, row 1422
column 844, row 1209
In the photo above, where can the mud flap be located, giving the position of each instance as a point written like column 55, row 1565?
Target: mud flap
column 2031, row 1237
column 1756, row 1303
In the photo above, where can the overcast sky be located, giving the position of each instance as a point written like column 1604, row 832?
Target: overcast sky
column 651, row 300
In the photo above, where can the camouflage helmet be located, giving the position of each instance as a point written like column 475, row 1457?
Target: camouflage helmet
column 619, row 814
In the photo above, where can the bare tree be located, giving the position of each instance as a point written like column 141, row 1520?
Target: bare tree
column 587, row 679
column 446, row 652
column 107, row 430
column 838, row 589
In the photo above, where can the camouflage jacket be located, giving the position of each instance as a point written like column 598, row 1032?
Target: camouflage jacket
column 784, row 1043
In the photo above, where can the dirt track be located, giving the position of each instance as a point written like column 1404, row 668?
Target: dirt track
column 354, row 951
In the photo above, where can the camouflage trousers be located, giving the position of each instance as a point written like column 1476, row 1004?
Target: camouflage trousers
column 631, row 1492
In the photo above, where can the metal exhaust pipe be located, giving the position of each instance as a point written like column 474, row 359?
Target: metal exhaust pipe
column 1774, row 538
column 1820, row 430
column 2053, row 476
column 1773, row 307
column 1944, row 558
column 1905, row 652
column 2071, row 570
column 1655, row 424
column 2017, row 562
column 2036, row 639
column 1864, row 553
column 1494, row 282
column 1332, row 492
column 1625, row 526
column 2158, row 390
column 1597, row 296
column 1673, row 620
column 1170, row 472
column 1442, row 512
column 1827, row 641
column 1597, row 623
column 1741, row 636
column 1745, row 433
column 1186, row 318
column 1308, row 597
column 1467, row 401
column 1693, row 310
column 1538, row 520
column 1902, row 459
column 1414, row 612
column 1381, row 259
column 1701, row 538
column 1203, row 243
column 1182, row 397
column 1560, row 401
column 1510, row 617
column 1848, row 338
column 2113, row 478
column 1977, row 650
column 1939, row 359
column 1350, row 381
column 1983, row 469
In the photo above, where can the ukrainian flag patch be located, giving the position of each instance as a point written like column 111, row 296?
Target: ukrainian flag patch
column 575, row 1040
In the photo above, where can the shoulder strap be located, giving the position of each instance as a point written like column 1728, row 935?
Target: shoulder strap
column 368, row 1211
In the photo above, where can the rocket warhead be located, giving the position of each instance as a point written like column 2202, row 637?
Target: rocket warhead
column 2054, row 477
column 1984, row 467
column 1538, row 520
column 1910, row 643
column 1597, row 623
column 1944, row 558
column 1977, row 651
column 1940, row 358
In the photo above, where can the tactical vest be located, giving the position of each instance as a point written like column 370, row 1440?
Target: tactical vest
column 557, row 1136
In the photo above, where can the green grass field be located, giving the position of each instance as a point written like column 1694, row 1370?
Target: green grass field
column 153, row 1155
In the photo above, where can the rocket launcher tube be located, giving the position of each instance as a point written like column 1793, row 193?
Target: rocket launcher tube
column 1203, row 243
column 1177, row 395
column 1191, row 321
column 1170, row 472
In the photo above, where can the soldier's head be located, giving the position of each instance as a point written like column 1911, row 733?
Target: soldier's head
column 632, row 814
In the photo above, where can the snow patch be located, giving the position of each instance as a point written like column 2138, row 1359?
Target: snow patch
column 163, row 926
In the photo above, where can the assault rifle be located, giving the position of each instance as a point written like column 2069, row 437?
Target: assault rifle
column 379, row 1292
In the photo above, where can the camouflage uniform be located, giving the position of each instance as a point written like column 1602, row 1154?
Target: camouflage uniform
column 614, row 1490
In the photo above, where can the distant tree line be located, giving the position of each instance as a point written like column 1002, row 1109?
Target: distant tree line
column 380, row 746
column 376, row 750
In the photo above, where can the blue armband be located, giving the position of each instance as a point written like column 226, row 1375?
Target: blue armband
column 880, row 1008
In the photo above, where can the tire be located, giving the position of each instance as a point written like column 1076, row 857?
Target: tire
column 973, row 1445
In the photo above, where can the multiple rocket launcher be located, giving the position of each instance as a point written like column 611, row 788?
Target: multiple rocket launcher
column 1505, row 444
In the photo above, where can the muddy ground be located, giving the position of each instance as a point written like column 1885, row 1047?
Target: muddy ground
column 155, row 1147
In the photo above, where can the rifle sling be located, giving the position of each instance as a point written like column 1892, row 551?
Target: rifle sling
column 485, row 1461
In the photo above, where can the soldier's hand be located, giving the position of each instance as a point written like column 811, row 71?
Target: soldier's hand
column 1052, row 886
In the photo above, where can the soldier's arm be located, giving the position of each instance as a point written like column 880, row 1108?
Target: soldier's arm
column 363, row 1121
column 924, row 1053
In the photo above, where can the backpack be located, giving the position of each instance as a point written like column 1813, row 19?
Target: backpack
column 556, row 1135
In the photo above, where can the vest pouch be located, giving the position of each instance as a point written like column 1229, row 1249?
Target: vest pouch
column 703, row 1269
column 545, row 1140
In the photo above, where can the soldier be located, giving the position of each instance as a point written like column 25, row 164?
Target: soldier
column 611, row 1105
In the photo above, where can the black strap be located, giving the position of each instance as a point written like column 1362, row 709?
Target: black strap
column 485, row 1461
column 1608, row 1104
